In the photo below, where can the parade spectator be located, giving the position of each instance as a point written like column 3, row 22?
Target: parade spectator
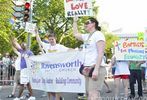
column 94, row 45
column 17, row 73
column 113, row 65
column 22, row 49
column 1, row 69
column 144, row 69
column 11, row 70
column 107, row 64
column 136, row 74
column 50, row 47
column 107, row 86
column 121, row 72
column 109, row 69
column 6, row 64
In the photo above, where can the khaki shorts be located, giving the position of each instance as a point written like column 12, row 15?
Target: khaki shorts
column 17, row 77
column 98, row 84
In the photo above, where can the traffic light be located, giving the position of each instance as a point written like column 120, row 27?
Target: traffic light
column 18, row 8
column 26, row 12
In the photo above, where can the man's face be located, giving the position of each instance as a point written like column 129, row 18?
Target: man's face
column 24, row 46
column 52, row 40
column 7, row 54
column 89, row 25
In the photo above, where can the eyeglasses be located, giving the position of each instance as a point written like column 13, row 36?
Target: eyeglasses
column 88, row 22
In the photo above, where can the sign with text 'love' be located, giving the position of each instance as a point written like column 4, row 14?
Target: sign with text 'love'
column 78, row 8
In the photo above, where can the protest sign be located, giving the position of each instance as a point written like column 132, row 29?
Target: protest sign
column 78, row 8
column 130, row 48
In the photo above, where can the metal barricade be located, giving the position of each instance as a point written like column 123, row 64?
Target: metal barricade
column 6, row 75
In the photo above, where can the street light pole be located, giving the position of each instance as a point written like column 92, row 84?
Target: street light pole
column 29, row 34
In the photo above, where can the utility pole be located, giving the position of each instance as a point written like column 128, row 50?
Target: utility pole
column 30, row 20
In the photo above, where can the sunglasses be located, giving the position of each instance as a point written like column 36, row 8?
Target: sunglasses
column 88, row 22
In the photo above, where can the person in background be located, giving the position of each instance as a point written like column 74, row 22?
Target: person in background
column 94, row 45
column 50, row 47
column 136, row 74
column 6, row 64
column 113, row 65
column 1, row 70
column 17, row 73
column 144, row 69
column 121, row 72
column 107, row 86
column 107, row 65
column 11, row 69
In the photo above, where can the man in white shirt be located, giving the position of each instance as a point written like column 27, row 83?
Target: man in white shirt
column 51, row 47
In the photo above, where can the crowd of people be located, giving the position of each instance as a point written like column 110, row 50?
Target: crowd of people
column 94, row 45
column 7, row 69
column 130, row 72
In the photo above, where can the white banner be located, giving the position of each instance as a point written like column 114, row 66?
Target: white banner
column 78, row 8
column 57, row 72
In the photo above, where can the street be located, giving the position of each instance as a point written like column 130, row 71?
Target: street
column 6, row 90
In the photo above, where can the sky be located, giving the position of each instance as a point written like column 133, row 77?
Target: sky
column 128, row 15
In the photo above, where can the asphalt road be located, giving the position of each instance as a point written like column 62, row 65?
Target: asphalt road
column 6, row 90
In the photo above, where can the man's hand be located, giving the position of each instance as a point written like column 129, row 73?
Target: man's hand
column 36, row 30
column 95, row 74
column 75, row 19
column 14, row 40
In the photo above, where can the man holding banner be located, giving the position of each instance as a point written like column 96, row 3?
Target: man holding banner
column 24, row 77
column 51, row 47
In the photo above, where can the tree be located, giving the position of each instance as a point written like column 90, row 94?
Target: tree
column 50, row 15
column 5, row 27
column 110, row 38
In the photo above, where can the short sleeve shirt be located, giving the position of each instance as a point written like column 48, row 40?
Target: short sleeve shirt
column 90, row 46
column 24, row 55
column 6, row 61
column 56, row 48
column 122, row 68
